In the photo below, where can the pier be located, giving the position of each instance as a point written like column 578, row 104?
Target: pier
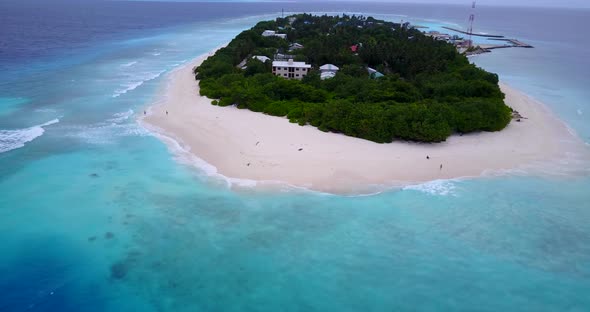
column 473, row 34
column 510, row 43
column 515, row 43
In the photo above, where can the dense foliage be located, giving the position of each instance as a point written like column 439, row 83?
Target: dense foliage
column 428, row 90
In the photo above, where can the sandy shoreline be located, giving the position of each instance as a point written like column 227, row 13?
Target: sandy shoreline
column 246, row 145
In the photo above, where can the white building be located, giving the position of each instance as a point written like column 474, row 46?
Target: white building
column 283, row 57
column 290, row 69
column 269, row 33
column 327, row 75
column 261, row 58
column 295, row 46
column 328, row 71
column 272, row 33
column 438, row 36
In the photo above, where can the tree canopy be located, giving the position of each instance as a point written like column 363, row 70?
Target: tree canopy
column 428, row 90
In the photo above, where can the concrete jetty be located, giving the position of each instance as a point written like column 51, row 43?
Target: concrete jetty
column 515, row 43
column 509, row 43
column 473, row 34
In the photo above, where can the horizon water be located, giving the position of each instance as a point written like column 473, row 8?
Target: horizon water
column 97, row 214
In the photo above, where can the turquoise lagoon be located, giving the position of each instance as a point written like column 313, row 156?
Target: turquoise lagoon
column 96, row 214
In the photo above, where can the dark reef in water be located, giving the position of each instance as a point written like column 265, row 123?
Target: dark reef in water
column 119, row 269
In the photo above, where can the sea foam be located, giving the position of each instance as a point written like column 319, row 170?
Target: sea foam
column 107, row 132
column 13, row 139
column 436, row 187
column 135, row 83
column 122, row 116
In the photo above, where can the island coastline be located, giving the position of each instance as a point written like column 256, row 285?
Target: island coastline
column 246, row 146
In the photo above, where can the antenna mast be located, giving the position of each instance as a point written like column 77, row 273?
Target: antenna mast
column 471, row 20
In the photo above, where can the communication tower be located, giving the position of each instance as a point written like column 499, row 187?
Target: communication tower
column 471, row 20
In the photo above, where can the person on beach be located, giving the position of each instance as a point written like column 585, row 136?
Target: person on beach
column 166, row 112
column 440, row 166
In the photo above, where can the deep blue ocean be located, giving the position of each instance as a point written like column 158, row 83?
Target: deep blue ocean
column 96, row 214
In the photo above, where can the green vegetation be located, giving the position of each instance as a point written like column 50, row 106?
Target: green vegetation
column 428, row 90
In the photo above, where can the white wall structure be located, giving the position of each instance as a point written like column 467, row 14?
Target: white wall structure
column 290, row 69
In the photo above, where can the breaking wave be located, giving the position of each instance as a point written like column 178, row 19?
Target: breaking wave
column 122, row 116
column 13, row 139
column 108, row 131
column 130, row 86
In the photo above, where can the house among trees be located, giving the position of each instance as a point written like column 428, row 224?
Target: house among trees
column 261, row 58
column 328, row 71
column 295, row 46
column 283, row 57
column 438, row 36
column 272, row 33
column 290, row 69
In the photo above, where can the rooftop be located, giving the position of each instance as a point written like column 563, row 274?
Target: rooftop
column 329, row 67
column 261, row 58
column 290, row 64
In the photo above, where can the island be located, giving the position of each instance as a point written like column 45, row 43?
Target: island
column 354, row 87
column 355, row 75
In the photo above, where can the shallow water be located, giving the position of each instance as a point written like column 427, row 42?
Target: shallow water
column 97, row 215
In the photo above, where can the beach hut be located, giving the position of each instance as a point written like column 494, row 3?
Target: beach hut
column 328, row 71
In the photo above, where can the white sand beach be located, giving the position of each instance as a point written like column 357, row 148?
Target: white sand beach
column 247, row 145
